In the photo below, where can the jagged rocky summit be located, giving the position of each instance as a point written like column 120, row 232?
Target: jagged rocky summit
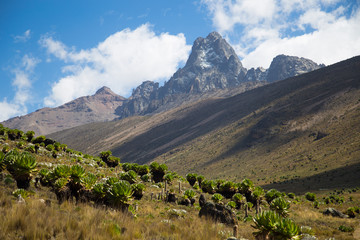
column 212, row 65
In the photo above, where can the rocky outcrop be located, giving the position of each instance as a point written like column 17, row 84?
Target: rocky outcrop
column 218, row 213
column 283, row 67
column 335, row 213
column 258, row 74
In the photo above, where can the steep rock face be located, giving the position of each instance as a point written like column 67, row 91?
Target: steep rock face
column 212, row 64
column 96, row 108
column 258, row 74
column 283, row 67
column 140, row 100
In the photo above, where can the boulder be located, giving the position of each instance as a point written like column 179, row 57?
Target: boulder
column 335, row 213
column 218, row 213
column 202, row 200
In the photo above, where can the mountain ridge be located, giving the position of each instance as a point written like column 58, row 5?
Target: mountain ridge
column 289, row 128
column 213, row 70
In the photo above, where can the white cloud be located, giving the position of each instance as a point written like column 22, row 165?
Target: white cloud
column 121, row 62
column 24, row 37
column 22, row 84
column 322, row 30
column 8, row 110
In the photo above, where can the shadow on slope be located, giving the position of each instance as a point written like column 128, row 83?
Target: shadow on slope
column 344, row 177
column 304, row 94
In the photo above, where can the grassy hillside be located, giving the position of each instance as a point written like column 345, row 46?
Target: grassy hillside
column 44, row 211
column 302, row 131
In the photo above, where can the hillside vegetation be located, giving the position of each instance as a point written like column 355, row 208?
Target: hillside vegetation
column 48, row 191
column 300, row 134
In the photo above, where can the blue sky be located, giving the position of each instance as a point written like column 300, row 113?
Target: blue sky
column 55, row 51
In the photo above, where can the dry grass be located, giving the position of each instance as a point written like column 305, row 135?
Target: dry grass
column 35, row 220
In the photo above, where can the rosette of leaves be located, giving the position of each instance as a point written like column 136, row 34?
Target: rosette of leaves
column 280, row 206
column 270, row 225
column 227, row 189
column 158, row 171
column 200, row 179
column 272, row 194
column 76, row 173
column 21, row 192
column 21, row 166
column 61, row 189
column 89, row 180
column 29, row 135
column 208, row 186
column 190, row 194
column 129, row 176
column 143, row 170
column 246, row 187
column 256, row 196
column 111, row 161
column 310, row 196
column 21, row 145
column 120, row 194
column 217, row 197
column 45, row 177
column 98, row 192
column 30, row 148
column 39, row 139
column 146, row 177
column 169, row 177
column 14, row 134
column 239, row 199
column 191, row 178
column 61, row 171
column 138, row 190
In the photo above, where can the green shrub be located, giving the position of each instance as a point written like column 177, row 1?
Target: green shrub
column 39, row 139
column 227, row 189
column 129, row 176
column 50, row 147
column 21, row 192
column 21, row 166
column 280, row 206
column 120, row 194
column 310, row 196
column 200, row 179
column 158, row 171
column 138, row 190
column 191, row 178
column 30, row 135
column 146, row 177
column 217, row 198
column 351, row 211
column 208, row 186
column 189, row 193
column 272, row 194
column 239, row 199
column 270, row 225
column 346, row 228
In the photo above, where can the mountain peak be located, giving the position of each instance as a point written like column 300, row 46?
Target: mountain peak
column 283, row 66
column 104, row 91
column 213, row 36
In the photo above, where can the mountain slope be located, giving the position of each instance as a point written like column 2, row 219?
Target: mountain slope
column 98, row 107
column 298, row 127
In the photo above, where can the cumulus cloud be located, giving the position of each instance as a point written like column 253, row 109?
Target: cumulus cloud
column 122, row 61
column 22, row 84
column 24, row 37
column 325, row 31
